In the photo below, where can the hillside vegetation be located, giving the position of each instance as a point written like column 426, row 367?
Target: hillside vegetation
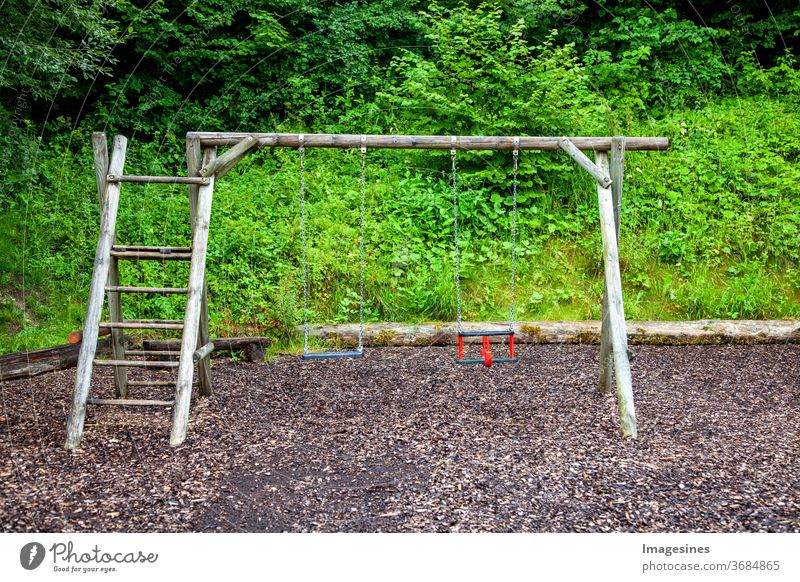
column 710, row 228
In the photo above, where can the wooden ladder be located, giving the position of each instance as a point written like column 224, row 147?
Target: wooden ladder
column 195, row 345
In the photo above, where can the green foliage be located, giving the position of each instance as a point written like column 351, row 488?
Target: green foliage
column 214, row 64
column 642, row 59
column 482, row 79
column 50, row 46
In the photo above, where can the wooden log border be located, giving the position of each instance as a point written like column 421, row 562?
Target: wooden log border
column 653, row 333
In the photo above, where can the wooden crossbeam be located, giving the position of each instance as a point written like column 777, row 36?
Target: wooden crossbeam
column 429, row 142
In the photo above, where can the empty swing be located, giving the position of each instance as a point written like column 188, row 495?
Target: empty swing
column 359, row 352
column 486, row 353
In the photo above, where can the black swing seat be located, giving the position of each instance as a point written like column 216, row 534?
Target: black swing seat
column 332, row 355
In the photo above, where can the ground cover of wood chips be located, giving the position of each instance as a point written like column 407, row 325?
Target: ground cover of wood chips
column 404, row 440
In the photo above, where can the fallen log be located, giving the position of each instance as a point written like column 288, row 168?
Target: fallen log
column 27, row 364
column 671, row 333
column 254, row 348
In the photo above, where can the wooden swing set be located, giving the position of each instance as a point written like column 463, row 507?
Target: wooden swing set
column 205, row 167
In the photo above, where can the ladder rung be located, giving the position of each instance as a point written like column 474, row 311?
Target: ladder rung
column 175, row 353
column 161, row 249
column 118, row 289
column 151, row 256
column 130, row 402
column 136, row 364
column 159, row 179
column 151, row 382
column 144, row 324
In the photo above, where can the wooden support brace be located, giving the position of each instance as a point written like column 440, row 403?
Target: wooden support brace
column 203, row 352
column 94, row 306
column 598, row 174
column 226, row 161
column 194, row 161
column 616, row 312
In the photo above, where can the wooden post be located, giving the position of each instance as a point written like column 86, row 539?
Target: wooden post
column 616, row 311
column 117, row 334
column 100, row 147
column 194, row 160
column 94, row 308
column 183, row 390
column 617, row 172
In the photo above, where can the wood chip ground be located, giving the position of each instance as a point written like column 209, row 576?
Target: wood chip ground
column 406, row 441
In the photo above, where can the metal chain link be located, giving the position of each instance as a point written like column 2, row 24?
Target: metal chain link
column 361, row 283
column 514, row 235
column 302, row 151
column 455, row 230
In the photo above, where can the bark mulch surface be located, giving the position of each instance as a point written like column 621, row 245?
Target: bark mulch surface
column 404, row 440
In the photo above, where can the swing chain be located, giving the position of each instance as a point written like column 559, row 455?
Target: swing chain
column 361, row 283
column 455, row 229
column 302, row 151
column 514, row 233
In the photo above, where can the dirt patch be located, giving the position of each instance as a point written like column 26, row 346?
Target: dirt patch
column 404, row 440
